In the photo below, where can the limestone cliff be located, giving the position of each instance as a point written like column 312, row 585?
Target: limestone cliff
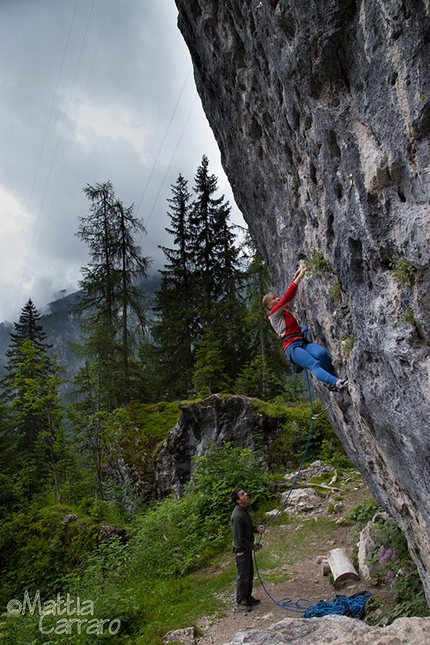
column 321, row 110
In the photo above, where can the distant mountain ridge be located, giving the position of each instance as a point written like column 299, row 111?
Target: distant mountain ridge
column 62, row 328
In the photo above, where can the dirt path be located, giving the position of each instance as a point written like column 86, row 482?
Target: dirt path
column 307, row 582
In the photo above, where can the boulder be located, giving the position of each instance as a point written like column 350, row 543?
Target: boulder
column 337, row 630
column 214, row 420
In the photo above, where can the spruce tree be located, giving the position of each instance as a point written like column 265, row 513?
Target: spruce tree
column 31, row 407
column 201, row 289
column 218, row 279
column 174, row 331
column 112, row 304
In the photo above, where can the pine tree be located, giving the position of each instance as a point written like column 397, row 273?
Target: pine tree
column 175, row 328
column 33, row 414
column 112, row 304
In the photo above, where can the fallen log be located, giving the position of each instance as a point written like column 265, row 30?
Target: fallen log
column 341, row 566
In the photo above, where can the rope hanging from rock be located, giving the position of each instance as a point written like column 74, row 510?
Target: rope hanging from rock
column 288, row 603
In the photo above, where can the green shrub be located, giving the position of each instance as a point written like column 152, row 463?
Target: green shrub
column 223, row 469
column 317, row 264
column 362, row 513
column 403, row 271
column 37, row 548
column 347, row 343
column 335, row 292
column 408, row 316
column 392, row 565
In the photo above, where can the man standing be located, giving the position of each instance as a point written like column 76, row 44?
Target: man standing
column 243, row 531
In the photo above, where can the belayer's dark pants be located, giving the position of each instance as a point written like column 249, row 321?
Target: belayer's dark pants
column 245, row 575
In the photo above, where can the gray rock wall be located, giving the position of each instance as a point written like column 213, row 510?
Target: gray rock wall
column 321, row 110
column 214, row 420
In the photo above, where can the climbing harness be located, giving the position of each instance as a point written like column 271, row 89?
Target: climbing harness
column 353, row 606
column 301, row 341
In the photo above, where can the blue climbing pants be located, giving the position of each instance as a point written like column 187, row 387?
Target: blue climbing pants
column 314, row 358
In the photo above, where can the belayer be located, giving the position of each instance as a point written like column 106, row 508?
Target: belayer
column 298, row 350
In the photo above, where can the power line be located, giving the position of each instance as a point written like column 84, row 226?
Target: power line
column 163, row 142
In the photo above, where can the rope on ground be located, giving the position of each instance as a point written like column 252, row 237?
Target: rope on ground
column 353, row 606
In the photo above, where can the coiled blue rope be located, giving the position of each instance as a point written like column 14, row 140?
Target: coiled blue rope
column 353, row 606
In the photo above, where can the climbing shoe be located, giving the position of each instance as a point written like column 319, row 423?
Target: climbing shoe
column 341, row 384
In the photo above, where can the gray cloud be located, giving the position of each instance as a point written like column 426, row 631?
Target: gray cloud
column 90, row 91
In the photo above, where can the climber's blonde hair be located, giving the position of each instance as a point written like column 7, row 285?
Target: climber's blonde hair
column 267, row 299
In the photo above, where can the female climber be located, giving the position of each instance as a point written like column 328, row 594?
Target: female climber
column 310, row 356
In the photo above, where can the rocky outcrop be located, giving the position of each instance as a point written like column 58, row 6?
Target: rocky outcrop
column 322, row 115
column 212, row 421
column 338, row 630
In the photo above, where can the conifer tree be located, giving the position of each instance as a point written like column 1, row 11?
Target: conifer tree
column 33, row 414
column 201, row 287
column 112, row 305
column 209, row 375
column 218, row 280
column 175, row 328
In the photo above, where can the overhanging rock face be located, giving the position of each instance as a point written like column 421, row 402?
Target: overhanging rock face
column 321, row 110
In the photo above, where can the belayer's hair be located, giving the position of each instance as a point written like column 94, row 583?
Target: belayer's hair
column 235, row 495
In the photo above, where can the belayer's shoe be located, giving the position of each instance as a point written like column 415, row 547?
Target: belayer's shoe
column 243, row 606
column 253, row 601
column 341, row 384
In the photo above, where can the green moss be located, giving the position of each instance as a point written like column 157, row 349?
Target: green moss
column 154, row 419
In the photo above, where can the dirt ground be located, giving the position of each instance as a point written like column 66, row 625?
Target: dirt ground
column 308, row 582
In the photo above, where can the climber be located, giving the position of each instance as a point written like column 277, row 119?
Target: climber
column 298, row 350
column 243, row 546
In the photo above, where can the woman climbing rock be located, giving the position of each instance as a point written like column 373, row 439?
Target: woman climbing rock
column 298, row 350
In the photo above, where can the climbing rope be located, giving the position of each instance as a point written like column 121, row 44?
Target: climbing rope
column 313, row 418
column 288, row 603
column 353, row 606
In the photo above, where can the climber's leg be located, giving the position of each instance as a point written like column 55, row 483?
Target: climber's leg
column 321, row 355
column 303, row 358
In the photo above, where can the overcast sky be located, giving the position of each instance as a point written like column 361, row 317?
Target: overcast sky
column 91, row 91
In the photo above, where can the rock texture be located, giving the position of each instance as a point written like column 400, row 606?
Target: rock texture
column 214, row 420
column 338, row 630
column 321, row 110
